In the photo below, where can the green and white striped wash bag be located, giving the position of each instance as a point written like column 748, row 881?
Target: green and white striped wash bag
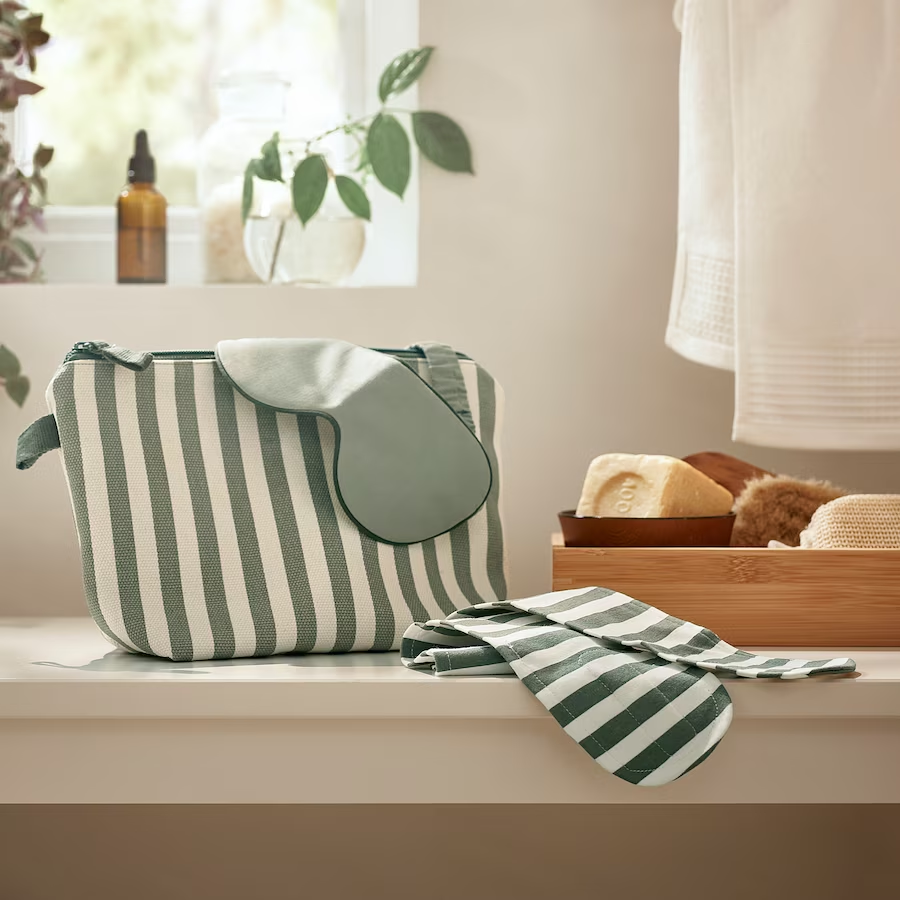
column 277, row 496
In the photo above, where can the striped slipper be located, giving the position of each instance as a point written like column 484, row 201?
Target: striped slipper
column 625, row 680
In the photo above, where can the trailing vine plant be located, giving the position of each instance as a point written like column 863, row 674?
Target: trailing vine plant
column 11, row 378
column 382, row 150
column 22, row 195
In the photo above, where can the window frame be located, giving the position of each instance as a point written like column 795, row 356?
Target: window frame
column 78, row 245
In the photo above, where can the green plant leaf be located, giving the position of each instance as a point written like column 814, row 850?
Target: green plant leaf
column 388, row 148
column 13, row 88
column 10, row 366
column 354, row 197
column 42, row 156
column 247, row 193
column 403, row 71
column 18, row 388
column 442, row 141
column 266, row 167
column 309, row 186
column 269, row 164
column 25, row 248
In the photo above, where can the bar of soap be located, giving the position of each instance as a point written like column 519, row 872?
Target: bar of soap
column 640, row 486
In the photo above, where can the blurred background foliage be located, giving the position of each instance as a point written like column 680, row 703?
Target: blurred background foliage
column 116, row 66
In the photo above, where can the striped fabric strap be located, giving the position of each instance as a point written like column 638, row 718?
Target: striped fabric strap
column 447, row 378
column 37, row 439
column 623, row 679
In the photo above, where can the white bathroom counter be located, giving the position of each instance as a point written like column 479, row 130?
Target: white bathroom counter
column 81, row 722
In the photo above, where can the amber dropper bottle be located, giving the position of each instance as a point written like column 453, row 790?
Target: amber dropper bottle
column 142, row 221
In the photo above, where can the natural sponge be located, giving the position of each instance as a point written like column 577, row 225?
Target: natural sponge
column 778, row 508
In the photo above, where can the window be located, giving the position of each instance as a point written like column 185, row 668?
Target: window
column 115, row 67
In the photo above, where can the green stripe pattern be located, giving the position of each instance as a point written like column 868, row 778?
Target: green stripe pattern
column 210, row 527
column 638, row 689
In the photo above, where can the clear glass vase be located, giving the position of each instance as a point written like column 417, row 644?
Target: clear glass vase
column 282, row 251
column 251, row 109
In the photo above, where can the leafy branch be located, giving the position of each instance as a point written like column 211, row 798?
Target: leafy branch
column 22, row 195
column 383, row 149
column 11, row 377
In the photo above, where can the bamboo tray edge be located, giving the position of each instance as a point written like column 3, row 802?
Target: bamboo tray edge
column 753, row 596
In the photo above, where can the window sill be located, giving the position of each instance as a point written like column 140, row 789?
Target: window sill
column 76, row 292
column 79, row 246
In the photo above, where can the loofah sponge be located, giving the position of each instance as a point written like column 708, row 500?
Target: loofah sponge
column 860, row 521
column 778, row 508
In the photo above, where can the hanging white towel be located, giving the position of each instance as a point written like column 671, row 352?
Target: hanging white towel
column 701, row 317
column 814, row 109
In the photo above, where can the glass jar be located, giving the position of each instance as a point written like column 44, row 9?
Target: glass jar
column 251, row 109
column 282, row 251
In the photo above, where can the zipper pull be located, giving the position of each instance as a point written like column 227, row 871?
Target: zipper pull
column 136, row 360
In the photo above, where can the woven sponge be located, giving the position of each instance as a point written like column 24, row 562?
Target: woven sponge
column 863, row 521
column 778, row 508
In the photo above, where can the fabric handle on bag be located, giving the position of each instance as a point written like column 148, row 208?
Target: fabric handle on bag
column 447, row 378
column 37, row 439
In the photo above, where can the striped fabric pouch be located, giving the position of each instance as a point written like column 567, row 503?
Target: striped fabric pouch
column 635, row 687
column 277, row 496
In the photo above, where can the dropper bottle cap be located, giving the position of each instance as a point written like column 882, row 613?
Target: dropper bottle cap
column 141, row 166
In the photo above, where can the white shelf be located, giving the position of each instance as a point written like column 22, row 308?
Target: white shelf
column 82, row 722
column 64, row 668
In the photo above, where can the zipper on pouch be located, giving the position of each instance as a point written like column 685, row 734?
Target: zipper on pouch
column 139, row 360
column 132, row 359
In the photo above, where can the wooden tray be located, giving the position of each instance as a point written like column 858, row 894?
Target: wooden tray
column 753, row 597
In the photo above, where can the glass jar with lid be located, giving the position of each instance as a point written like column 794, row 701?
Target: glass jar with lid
column 251, row 109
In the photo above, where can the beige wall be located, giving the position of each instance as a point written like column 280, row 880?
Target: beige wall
column 552, row 267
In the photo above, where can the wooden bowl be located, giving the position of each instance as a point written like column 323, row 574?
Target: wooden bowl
column 607, row 531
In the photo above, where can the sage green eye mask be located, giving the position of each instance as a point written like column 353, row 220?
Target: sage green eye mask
column 407, row 467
